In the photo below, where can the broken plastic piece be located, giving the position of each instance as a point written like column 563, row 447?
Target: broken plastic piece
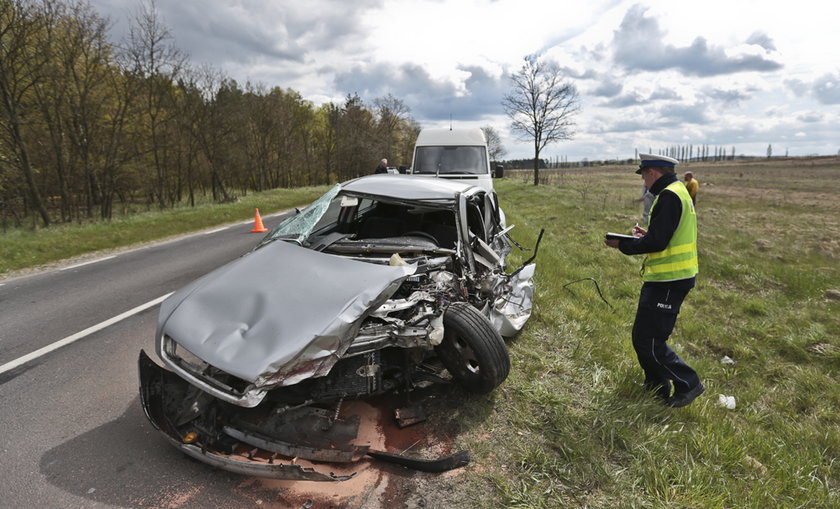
column 409, row 416
column 457, row 460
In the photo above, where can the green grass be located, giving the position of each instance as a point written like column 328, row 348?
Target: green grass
column 23, row 248
column 571, row 428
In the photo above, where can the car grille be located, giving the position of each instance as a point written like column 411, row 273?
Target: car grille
column 187, row 359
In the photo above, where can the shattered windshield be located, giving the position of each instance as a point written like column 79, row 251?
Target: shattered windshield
column 450, row 159
column 298, row 227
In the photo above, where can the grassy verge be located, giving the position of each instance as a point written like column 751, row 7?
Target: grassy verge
column 26, row 248
column 570, row 427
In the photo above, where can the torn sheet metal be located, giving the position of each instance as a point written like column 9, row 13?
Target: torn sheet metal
column 318, row 437
column 509, row 312
column 337, row 455
column 257, row 318
column 155, row 383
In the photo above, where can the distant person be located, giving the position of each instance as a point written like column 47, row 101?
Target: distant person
column 669, row 272
column 383, row 167
column 646, row 197
column 692, row 186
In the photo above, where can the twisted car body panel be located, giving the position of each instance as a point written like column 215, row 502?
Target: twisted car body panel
column 386, row 283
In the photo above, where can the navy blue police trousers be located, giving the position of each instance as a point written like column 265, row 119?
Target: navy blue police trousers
column 659, row 305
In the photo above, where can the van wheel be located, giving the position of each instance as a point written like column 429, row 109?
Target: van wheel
column 472, row 350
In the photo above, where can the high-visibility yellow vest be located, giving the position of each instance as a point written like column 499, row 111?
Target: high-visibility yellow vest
column 679, row 258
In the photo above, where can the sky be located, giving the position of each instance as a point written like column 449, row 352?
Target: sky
column 649, row 74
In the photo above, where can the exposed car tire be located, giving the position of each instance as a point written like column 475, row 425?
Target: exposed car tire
column 472, row 350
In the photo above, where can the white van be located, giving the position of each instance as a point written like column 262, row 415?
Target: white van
column 456, row 154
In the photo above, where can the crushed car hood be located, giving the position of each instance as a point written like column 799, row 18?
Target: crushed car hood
column 279, row 314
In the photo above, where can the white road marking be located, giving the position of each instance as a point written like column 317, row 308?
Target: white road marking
column 88, row 263
column 217, row 230
column 79, row 335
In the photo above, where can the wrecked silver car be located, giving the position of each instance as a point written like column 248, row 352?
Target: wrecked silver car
column 384, row 284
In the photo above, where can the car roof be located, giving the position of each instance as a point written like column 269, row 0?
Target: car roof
column 444, row 137
column 409, row 187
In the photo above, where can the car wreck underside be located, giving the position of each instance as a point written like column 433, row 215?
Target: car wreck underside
column 435, row 314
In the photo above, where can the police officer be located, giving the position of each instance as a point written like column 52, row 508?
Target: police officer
column 668, row 271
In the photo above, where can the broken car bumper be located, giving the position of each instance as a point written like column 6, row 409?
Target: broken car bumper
column 154, row 381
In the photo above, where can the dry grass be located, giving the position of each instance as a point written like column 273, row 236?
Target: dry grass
column 570, row 428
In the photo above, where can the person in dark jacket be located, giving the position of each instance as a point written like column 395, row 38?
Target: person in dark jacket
column 669, row 273
column 383, row 167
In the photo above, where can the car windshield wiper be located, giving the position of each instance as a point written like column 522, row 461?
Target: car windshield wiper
column 288, row 237
column 329, row 240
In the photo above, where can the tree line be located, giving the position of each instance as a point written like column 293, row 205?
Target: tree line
column 683, row 153
column 88, row 126
column 688, row 153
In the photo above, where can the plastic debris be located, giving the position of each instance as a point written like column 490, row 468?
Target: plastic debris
column 727, row 360
column 727, row 402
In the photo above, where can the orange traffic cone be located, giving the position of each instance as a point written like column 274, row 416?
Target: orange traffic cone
column 258, row 225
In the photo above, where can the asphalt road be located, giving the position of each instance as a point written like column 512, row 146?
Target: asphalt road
column 73, row 432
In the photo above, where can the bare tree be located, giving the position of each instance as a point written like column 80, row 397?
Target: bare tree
column 213, row 126
column 495, row 148
column 73, row 100
column 157, row 63
column 411, row 130
column 541, row 106
column 326, row 139
column 356, row 147
column 21, row 68
column 391, row 113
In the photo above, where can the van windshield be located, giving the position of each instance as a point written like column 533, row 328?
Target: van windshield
column 450, row 160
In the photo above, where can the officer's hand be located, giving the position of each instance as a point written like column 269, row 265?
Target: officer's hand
column 611, row 243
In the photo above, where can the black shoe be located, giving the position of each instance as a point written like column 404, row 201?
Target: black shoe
column 681, row 399
column 659, row 391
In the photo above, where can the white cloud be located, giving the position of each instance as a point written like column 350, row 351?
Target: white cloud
column 827, row 88
column 763, row 40
column 639, row 45
column 651, row 73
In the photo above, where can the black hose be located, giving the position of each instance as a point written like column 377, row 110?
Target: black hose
column 596, row 287
column 529, row 260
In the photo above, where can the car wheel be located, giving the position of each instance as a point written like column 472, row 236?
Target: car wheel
column 472, row 350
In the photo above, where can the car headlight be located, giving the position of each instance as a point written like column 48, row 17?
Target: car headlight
column 182, row 356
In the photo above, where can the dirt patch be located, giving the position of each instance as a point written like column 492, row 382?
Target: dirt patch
column 376, row 484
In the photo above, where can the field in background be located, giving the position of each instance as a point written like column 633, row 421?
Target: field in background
column 571, row 428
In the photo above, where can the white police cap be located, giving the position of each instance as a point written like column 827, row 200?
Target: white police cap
column 651, row 160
